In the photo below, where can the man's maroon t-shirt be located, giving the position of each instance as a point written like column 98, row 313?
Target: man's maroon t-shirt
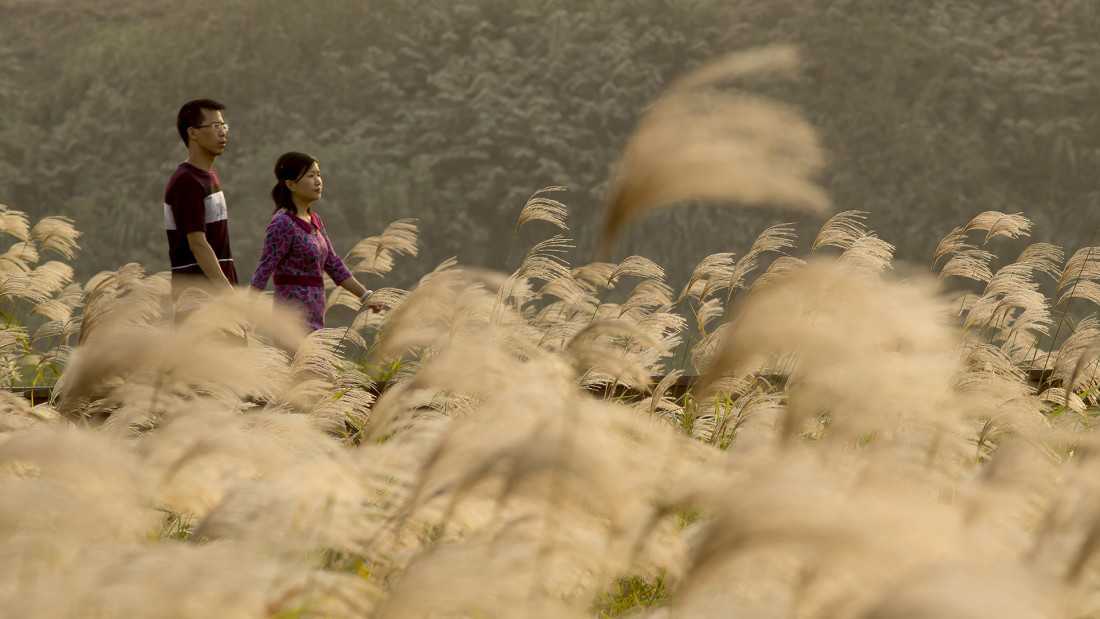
column 194, row 202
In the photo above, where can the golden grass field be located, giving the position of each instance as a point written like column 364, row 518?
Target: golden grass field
column 862, row 441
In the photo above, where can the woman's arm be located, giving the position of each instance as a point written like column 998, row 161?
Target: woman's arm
column 335, row 267
column 353, row 286
column 276, row 245
column 340, row 274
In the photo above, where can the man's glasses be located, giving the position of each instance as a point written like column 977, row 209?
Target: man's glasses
column 217, row 126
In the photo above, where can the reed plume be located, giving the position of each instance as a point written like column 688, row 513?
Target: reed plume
column 699, row 143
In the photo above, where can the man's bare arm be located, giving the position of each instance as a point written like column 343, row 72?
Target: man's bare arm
column 207, row 259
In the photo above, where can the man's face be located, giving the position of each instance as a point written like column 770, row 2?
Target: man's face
column 212, row 135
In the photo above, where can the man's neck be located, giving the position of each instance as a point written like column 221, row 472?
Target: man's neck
column 200, row 159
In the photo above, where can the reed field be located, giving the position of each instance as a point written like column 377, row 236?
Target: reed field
column 862, row 439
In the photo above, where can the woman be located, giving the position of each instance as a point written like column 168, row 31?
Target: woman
column 297, row 248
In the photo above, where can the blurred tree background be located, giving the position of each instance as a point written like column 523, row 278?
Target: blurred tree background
column 454, row 112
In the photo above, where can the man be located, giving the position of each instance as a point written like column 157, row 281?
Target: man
column 195, row 214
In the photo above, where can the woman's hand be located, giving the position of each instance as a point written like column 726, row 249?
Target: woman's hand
column 353, row 286
column 372, row 307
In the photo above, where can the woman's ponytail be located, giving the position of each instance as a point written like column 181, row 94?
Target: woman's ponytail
column 280, row 195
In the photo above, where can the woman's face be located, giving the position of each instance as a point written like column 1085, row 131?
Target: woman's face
column 310, row 187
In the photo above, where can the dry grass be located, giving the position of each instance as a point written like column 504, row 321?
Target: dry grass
column 862, row 443
column 900, row 466
column 700, row 142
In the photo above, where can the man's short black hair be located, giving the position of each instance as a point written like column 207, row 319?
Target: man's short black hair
column 191, row 115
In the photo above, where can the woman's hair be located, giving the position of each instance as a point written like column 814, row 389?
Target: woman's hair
column 291, row 166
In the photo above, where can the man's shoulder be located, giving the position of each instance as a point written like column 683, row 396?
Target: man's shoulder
column 191, row 181
column 184, row 174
